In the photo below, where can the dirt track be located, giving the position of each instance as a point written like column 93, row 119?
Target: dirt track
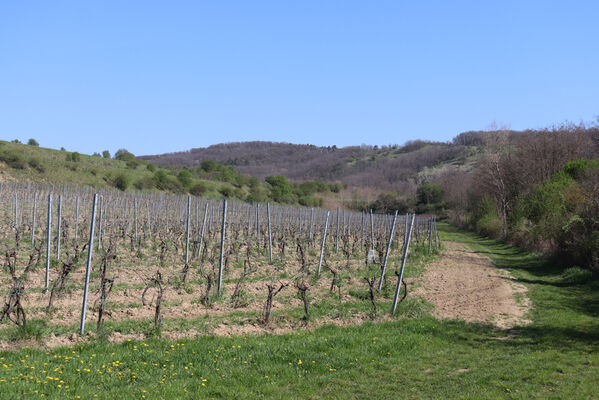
column 464, row 285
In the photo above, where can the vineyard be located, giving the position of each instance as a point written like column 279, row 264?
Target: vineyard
column 131, row 265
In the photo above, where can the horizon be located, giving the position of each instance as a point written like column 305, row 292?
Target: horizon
column 159, row 79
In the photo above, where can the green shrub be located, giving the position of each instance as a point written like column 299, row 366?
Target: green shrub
column 576, row 168
column 336, row 187
column 208, row 165
column 36, row 164
column 73, row 157
column 121, row 182
column 280, row 188
column 576, row 275
column 226, row 191
column 132, row 164
column 32, row 142
column 163, row 181
column 13, row 160
column 144, row 183
column 185, row 178
column 198, row 189
column 429, row 193
column 106, row 154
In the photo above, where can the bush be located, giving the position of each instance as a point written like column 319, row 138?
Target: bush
column 185, row 178
column 144, row 183
column 13, row 160
column 132, row 164
column 335, row 187
column 73, row 157
column 226, row 191
column 32, row 142
column 388, row 203
column 280, row 188
column 106, row 154
column 36, row 164
column 310, row 201
column 151, row 167
column 576, row 275
column 121, row 182
column 198, row 189
column 208, row 165
column 163, row 181
column 429, row 193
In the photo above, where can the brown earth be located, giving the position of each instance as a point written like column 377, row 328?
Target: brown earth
column 465, row 285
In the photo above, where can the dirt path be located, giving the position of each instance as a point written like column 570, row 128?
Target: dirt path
column 464, row 285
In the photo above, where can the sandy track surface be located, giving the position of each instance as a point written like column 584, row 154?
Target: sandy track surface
column 465, row 285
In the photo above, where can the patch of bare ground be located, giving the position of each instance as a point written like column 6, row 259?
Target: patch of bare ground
column 465, row 285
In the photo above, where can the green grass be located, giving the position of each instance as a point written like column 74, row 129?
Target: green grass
column 418, row 357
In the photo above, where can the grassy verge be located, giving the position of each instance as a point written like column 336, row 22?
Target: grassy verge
column 556, row 356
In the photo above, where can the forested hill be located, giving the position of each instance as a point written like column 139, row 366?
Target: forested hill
column 387, row 167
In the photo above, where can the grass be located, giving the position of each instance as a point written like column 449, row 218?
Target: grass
column 413, row 357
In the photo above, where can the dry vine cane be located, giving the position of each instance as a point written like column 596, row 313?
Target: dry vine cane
column 13, row 307
column 302, row 287
column 247, row 270
column 106, row 285
column 155, row 282
column 405, row 286
column 302, row 257
column 372, row 290
column 58, row 285
column 272, row 292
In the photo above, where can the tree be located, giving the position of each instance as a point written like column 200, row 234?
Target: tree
column 32, row 142
column 106, row 154
column 124, row 155
column 208, row 165
column 495, row 177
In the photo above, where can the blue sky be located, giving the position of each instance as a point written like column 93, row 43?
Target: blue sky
column 160, row 76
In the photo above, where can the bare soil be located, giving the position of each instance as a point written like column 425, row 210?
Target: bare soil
column 465, row 285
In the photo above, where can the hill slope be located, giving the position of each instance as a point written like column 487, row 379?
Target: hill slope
column 388, row 167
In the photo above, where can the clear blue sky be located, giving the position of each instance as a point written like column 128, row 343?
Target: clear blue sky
column 158, row 76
